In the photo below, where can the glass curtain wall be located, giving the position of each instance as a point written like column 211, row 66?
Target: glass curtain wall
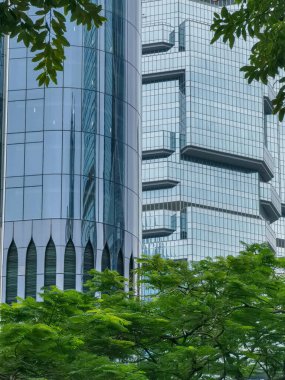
column 73, row 153
column 211, row 151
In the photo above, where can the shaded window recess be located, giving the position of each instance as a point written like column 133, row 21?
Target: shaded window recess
column 88, row 263
column 182, row 36
column 131, row 274
column 31, row 271
column 106, row 259
column 280, row 243
column 183, row 224
column 50, row 264
column 69, row 266
column 120, row 264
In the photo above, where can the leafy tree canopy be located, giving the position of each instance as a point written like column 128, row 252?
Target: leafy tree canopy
column 263, row 20
column 41, row 25
column 221, row 319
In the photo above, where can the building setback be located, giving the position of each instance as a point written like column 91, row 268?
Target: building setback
column 72, row 159
column 213, row 153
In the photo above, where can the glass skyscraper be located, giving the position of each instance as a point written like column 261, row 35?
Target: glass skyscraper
column 212, row 171
column 71, row 158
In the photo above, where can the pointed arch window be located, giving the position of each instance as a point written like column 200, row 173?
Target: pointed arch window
column 50, row 264
column 120, row 264
column 88, row 261
column 131, row 274
column 31, row 271
column 69, row 266
column 12, row 273
column 106, row 259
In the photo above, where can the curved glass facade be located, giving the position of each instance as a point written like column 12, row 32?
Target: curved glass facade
column 73, row 159
column 211, row 147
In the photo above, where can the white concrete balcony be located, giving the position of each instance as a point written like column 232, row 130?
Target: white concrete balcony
column 157, row 38
column 158, row 144
column 158, row 223
column 270, row 201
column 159, row 175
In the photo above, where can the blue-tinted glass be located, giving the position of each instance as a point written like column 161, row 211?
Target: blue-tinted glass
column 34, row 115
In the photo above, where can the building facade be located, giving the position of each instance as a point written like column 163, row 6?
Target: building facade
column 72, row 159
column 212, row 170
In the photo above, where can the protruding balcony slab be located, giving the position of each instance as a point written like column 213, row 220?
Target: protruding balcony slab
column 158, row 144
column 159, row 184
column 264, row 166
column 157, row 175
column 157, row 38
column 270, row 201
column 158, row 223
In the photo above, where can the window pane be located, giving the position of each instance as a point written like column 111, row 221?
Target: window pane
column 34, row 158
column 33, row 202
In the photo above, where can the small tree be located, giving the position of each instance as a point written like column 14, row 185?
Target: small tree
column 218, row 319
column 263, row 20
column 41, row 25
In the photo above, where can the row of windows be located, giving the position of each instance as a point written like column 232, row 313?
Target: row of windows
column 50, row 269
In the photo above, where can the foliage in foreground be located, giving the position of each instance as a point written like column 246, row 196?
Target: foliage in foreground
column 220, row 319
column 41, row 25
column 263, row 20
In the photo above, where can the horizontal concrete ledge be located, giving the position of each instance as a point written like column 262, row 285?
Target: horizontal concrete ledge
column 156, row 47
column 161, row 184
column 230, row 159
column 157, row 232
column 272, row 213
column 180, row 205
column 156, row 153
column 163, row 75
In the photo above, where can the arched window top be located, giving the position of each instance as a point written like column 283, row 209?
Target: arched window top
column 106, row 259
column 120, row 263
column 88, row 261
column 12, row 273
column 50, row 264
column 12, row 247
column 69, row 246
column 31, row 271
column 69, row 266
column 88, row 257
column 50, row 245
column 89, row 246
column 31, row 245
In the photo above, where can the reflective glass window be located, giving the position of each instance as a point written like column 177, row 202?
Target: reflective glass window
column 72, row 67
column 16, row 117
column 34, row 158
column 32, row 74
column 53, row 108
column 34, row 114
column 14, row 204
column 51, row 196
column 15, row 160
column 17, row 74
column 52, row 152
column 32, row 202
